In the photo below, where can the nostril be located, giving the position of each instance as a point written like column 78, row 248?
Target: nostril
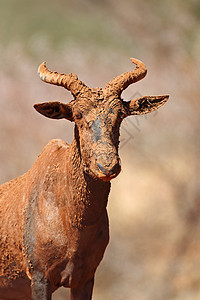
column 103, row 169
column 115, row 169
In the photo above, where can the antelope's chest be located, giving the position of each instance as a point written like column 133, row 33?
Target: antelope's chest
column 82, row 256
column 54, row 242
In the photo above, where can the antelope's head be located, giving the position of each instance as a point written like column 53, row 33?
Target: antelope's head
column 97, row 114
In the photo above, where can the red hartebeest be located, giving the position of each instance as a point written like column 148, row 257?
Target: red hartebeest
column 53, row 219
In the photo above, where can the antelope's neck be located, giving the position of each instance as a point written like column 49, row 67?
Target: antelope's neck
column 88, row 195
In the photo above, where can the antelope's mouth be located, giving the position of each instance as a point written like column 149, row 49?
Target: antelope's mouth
column 107, row 178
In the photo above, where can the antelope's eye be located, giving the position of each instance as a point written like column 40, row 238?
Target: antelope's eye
column 90, row 123
column 120, row 114
column 78, row 116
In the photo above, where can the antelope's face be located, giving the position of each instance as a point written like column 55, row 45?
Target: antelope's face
column 97, row 114
column 97, row 126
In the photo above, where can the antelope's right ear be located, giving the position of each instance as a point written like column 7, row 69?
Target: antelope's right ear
column 55, row 110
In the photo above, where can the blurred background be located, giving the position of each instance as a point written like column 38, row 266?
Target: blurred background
column 154, row 205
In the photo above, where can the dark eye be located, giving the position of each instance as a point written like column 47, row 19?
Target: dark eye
column 121, row 114
column 90, row 123
column 78, row 116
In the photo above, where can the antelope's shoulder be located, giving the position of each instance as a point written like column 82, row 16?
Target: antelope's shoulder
column 56, row 144
column 53, row 148
column 53, row 159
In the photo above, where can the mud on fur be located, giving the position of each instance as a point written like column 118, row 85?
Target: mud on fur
column 53, row 219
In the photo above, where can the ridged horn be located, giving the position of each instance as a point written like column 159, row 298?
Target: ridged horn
column 121, row 82
column 69, row 81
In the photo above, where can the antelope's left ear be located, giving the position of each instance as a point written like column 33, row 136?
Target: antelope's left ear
column 146, row 104
column 55, row 110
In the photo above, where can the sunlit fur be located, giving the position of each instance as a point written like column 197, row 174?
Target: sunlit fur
column 53, row 219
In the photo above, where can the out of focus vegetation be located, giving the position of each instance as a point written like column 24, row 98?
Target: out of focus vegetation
column 154, row 205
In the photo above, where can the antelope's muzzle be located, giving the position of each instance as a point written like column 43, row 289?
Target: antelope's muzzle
column 107, row 174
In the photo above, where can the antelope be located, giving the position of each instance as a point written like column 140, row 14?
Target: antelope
column 53, row 219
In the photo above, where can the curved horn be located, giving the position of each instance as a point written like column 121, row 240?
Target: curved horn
column 69, row 81
column 121, row 82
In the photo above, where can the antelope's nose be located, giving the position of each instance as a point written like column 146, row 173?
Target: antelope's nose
column 109, row 172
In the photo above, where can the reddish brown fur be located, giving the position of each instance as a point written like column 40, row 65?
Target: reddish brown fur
column 53, row 219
